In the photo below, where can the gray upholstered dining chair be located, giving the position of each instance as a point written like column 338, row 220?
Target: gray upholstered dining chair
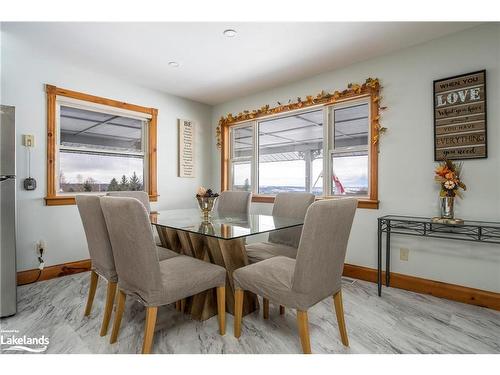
column 101, row 254
column 233, row 202
column 142, row 197
column 286, row 241
column 144, row 277
column 282, row 242
column 315, row 274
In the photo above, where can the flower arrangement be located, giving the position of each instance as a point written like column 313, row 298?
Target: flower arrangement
column 448, row 176
column 205, row 193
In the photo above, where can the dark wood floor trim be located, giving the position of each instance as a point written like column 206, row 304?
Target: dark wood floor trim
column 26, row 277
column 415, row 284
column 435, row 288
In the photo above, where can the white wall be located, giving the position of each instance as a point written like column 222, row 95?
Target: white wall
column 25, row 70
column 406, row 158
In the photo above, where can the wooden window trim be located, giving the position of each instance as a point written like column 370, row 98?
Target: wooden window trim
column 372, row 91
column 52, row 199
column 362, row 202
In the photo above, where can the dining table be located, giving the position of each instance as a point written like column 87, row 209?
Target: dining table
column 219, row 240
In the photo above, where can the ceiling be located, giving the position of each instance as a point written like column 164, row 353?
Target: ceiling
column 214, row 68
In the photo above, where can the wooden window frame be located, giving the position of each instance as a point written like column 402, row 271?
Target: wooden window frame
column 370, row 89
column 53, row 92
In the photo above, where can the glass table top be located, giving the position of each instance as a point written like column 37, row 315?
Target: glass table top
column 227, row 226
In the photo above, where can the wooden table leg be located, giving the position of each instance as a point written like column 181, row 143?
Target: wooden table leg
column 201, row 306
column 169, row 239
column 231, row 255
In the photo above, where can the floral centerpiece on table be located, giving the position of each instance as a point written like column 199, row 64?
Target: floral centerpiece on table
column 206, row 199
column 447, row 175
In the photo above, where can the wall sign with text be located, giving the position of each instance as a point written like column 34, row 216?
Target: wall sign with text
column 186, row 148
column 460, row 117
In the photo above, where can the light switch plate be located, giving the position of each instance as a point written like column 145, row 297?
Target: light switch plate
column 28, row 140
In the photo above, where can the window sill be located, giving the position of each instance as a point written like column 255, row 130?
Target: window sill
column 362, row 202
column 61, row 200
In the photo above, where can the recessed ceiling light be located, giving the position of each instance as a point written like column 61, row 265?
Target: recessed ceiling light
column 230, row 33
column 173, row 64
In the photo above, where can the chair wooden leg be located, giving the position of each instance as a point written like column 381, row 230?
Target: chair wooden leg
column 183, row 305
column 178, row 305
column 339, row 311
column 303, row 324
column 94, row 278
column 149, row 329
column 282, row 310
column 221, row 309
column 265, row 308
column 110, row 298
column 238, row 311
column 118, row 316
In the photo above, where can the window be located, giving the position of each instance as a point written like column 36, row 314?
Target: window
column 349, row 141
column 97, row 145
column 291, row 153
column 99, row 151
column 286, row 152
column 242, row 146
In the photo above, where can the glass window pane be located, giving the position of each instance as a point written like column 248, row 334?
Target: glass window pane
column 351, row 126
column 242, row 176
column 86, row 172
column 99, row 131
column 317, row 177
column 242, row 141
column 290, row 153
column 350, row 173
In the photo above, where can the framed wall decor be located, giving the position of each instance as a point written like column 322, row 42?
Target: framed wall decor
column 460, row 117
column 186, row 148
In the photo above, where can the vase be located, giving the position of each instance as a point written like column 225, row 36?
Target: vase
column 206, row 206
column 447, row 207
column 207, row 228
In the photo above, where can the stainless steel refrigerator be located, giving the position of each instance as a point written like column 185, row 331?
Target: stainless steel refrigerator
column 8, row 300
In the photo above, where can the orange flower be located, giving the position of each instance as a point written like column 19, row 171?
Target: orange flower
column 442, row 170
column 449, row 176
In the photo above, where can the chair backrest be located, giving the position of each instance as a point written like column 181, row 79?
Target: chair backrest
column 322, row 248
column 96, row 232
column 233, row 202
column 133, row 245
column 292, row 205
column 142, row 196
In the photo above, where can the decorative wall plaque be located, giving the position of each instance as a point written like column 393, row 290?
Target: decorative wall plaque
column 460, row 117
column 186, row 148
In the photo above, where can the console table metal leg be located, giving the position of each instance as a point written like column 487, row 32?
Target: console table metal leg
column 379, row 254
column 388, row 254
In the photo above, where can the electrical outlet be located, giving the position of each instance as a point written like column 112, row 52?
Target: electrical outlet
column 404, row 253
column 41, row 248
column 41, row 245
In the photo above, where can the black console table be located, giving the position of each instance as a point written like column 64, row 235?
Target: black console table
column 477, row 231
